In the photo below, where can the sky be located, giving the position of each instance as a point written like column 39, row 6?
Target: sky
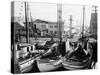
column 48, row 12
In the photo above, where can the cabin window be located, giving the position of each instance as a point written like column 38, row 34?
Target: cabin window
column 18, row 47
column 27, row 49
column 31, row 48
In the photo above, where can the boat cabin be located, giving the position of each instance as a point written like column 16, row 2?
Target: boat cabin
column 22, row 50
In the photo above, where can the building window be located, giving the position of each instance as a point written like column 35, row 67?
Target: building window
column 55, row 32
column 56, row 26
column 51, row 32
column 43, row 26
column 51, row 26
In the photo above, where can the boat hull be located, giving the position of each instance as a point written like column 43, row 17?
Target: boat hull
column 76, row 67
column 49, row 66
column 74, row 64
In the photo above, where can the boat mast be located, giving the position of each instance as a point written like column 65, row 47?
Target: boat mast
column 70, row 31
column 59, row 20
column 26, row 22
column 83, row 21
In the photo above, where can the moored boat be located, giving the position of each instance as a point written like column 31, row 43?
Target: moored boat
column 45, row 65
column 79, row 53
column 79, row 58
column 50, row 60
column 26, row 55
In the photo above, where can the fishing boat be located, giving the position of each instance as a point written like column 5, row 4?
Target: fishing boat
column 52, row 58
column 49, row 61
column 78, row 59
column 25, row 53
column 78, row 52
column 49, row 64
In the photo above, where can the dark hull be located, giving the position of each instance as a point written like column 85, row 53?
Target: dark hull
column 77, row 66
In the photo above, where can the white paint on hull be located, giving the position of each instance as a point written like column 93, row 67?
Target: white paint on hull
column 44, row 67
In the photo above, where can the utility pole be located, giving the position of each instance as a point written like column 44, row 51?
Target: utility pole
column 95, row 11
column 95, row 8
column 31, row 20
column 95, row 20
